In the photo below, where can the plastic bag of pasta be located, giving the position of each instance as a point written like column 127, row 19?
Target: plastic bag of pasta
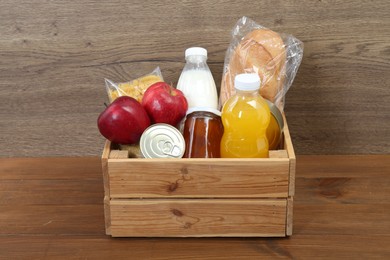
column 135, row 88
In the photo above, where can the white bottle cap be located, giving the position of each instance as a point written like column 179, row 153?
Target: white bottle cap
column 196, row 51
column 247, row 82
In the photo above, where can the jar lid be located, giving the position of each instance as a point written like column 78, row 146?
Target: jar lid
column 247, row 81
column 206, row 109
column 196, row 51
column 276, row 113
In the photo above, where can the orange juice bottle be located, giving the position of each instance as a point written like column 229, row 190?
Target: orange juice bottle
column 245, row 117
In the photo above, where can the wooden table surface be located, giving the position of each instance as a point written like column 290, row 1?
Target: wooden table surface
column 53, row 208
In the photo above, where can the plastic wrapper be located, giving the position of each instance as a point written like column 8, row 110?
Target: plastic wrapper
column 135, row 88
column 255, row 49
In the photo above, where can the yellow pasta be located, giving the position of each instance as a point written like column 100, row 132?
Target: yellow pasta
column 135, row 88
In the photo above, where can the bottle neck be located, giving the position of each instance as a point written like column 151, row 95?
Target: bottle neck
column 196, row 59
column 247, row 93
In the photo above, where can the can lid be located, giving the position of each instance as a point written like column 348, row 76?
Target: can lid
column 162, row 141
column 247, row 81
column 196, row 51
column 206, row 109
column 276, row 113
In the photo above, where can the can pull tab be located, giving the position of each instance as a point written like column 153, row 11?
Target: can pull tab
column 169, row 148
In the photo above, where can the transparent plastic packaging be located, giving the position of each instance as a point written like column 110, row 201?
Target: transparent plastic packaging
column 135, row 88
column 275, row 57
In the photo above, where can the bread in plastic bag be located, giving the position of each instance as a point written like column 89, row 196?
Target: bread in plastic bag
column 256, row 49
column 135, row 88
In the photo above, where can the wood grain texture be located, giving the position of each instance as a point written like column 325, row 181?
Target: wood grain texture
column 119, row 154
column 288, row 146
column 198, row 178
column 97, row 247
column 332, row 219
column 107, row 215
column 289, row 218
column 106, row 184
column 54, row 56
column 197, row 197
column 205, row 218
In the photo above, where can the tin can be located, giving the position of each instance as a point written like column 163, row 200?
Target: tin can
column 275, row 127
column 162, row 141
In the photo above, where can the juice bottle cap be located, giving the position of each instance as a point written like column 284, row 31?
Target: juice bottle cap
column 247, row 81
column 196, row 51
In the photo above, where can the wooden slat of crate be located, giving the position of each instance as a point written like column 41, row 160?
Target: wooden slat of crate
column 278, row 154
column 288, row 146
column 119, row 154
column 106, row 183
column 198, row 217
column 199, row 178
column 107, row 215
column 289, row 217
column 105, row 155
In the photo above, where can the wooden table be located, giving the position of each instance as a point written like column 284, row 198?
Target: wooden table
column 53, row 208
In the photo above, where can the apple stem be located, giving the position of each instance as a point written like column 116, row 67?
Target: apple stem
column 105, row 104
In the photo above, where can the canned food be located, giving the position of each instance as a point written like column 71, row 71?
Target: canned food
column 162, row 141
column 275, row 127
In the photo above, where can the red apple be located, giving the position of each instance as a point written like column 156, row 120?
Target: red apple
column 164, row 103
column 123, row 121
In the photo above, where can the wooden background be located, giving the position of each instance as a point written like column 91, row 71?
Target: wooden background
column 55, row 54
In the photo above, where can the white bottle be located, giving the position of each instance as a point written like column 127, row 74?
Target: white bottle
column 196, row 81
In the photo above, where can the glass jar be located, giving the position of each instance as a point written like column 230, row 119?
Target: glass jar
column 202, row 133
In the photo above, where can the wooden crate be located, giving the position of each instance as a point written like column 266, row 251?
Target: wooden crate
column 199, row 197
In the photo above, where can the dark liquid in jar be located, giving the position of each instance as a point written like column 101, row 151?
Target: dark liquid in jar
column 202, row 134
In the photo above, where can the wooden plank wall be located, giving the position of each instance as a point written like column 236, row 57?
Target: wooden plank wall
column 55, row 54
